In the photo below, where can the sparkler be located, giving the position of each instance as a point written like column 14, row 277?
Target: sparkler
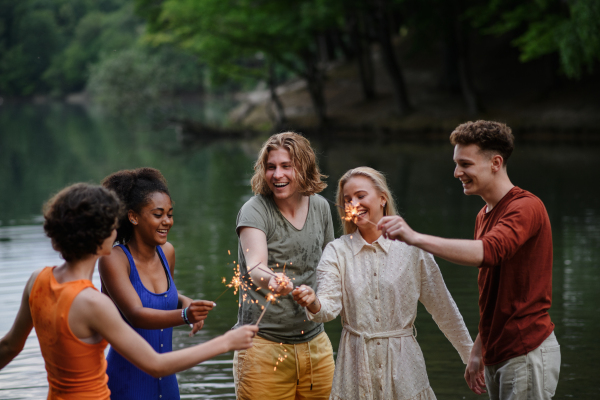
column 270, row 299
column 351, row 212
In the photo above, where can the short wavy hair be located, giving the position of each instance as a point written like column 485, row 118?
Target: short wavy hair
column 134, row 187
column 308, row 175
column 79, row 218
column 380, row 184
column 491, row 137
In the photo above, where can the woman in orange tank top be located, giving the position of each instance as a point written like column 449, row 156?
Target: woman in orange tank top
column 74, row 322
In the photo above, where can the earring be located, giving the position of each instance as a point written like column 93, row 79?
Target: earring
column 133, row 222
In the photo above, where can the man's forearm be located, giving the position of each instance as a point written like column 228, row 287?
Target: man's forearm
column 458, row 251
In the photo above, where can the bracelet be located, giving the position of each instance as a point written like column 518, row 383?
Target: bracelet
column 184, row 315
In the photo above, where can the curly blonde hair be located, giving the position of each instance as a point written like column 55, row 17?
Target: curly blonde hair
column 381, row 186
column 308, row 175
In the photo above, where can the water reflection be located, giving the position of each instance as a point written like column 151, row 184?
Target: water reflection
column 44, row 149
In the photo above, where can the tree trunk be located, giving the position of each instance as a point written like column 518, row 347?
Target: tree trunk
column 315, row 86
column 389, row 58
column 464, row 72
column 362, row 49
column 279, row 112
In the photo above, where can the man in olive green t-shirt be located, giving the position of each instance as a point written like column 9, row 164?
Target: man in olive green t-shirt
column 285, row 223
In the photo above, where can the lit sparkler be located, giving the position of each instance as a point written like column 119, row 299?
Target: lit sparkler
column 351, row 212
column 270, row 299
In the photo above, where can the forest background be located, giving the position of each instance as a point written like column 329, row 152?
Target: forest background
column 397, row 65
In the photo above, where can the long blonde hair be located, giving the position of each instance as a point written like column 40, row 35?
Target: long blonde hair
column 380, row 185
column 303, row 157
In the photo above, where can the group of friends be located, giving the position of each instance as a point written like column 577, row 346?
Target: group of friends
column 374, row 275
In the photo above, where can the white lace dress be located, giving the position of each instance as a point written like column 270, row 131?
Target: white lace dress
column 376, row 288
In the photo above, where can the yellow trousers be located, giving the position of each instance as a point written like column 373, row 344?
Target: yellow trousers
column 270, row 370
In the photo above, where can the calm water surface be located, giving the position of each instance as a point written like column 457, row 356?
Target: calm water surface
column 44, row 148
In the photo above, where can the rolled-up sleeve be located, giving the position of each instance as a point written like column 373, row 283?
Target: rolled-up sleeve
column 515, row 228
column 439, row 303
column 329, row 287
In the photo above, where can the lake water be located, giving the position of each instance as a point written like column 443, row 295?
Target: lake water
column 44, row 148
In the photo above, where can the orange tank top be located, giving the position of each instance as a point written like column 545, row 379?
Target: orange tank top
column 76, row 370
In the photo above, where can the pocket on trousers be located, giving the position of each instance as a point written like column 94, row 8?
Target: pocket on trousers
column 551, row 362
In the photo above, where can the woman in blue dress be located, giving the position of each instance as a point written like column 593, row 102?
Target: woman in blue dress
column 138, row 277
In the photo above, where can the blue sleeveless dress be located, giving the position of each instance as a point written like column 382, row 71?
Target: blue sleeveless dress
column 126, row 381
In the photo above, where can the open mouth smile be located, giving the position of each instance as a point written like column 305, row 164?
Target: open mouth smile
column 281, row 185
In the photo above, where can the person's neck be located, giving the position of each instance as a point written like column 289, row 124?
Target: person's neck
column 497, row 191
column 369, row 233
column 142, row 251
column 290, row 206
column 76, row 270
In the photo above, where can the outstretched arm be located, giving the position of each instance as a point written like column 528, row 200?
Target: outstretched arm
column 458, row 251
column 14, row 341
column 98, row 313
column 114, row 272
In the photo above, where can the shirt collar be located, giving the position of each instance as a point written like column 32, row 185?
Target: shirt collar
column 357, row 242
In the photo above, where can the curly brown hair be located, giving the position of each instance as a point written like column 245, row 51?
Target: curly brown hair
column 303, row 158
column 134, row 187
column 490, row 136
column 79, row 218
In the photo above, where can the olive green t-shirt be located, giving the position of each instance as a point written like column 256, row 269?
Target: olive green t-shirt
column 300, row 251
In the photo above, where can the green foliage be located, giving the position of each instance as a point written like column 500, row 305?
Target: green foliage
column 569, row 28
column 137, row 78
column 97, row 33
column 33, row 35
column 234, row 36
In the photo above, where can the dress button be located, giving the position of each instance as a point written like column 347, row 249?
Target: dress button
column 161, row 330
column 161, row 345
column 160, row 396
column 160, row 379
column 165, row 295
column 375, row 297
column 375, row 274
column 376, row 319
column 378, row 343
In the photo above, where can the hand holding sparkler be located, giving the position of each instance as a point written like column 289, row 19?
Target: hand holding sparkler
column 240, row 338
column 280, row 284
column 396, row 228
column 196, row 312
column 306, row 297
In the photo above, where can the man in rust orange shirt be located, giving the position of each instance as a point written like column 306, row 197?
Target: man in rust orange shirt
column 516, row 354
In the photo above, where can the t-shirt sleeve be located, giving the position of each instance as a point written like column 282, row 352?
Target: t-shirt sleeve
column 519, row 223
column 254, row 214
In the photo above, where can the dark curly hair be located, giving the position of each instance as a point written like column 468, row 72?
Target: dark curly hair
column 79, row 218
column 490, row 136
column 134, row 187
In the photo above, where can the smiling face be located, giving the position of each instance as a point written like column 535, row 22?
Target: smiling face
column 474, row 168
column 360, row 191
column 280, row 174
column 155, row 219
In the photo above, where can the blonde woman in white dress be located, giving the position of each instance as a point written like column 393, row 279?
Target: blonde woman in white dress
column 375, row 284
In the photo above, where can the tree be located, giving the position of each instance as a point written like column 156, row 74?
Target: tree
column 570, row 29
column 227, row 34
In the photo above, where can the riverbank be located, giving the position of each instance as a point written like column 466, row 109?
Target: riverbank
column 540, row 105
